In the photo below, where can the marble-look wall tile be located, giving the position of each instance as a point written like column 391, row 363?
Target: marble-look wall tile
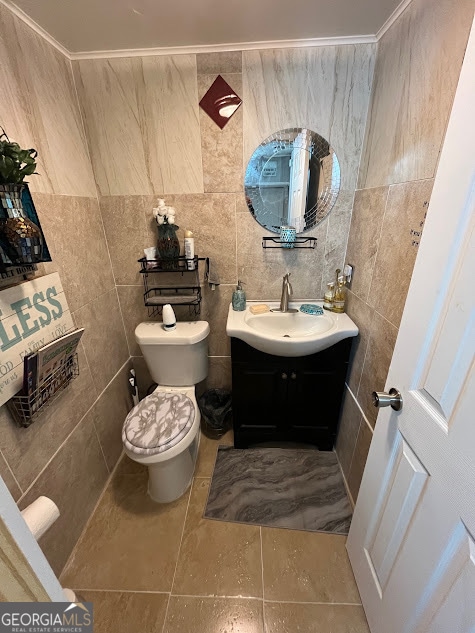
column 219, row 373
column 219, row 63
column 262, row 269
column 124, row 225
column 338, row 227
column 350, row 421
column 74, row 479
column 326, row 89
column 75, row 236
column 221, row 149
column 16, row 107
column 168, row 102
column 403, row 222
column 133, row 312
column 142, row 121
column 109, row 101
column 104, row 338
column 215, row 307
column 418, row 65
column 361, row 314
column 365, row 232
column 39, row 109
column 108, row 415
column 27, row 451
column 360, row 456
column 8, row 478
column 379, row 352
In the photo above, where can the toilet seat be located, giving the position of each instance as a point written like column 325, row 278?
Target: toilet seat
column 158, row 422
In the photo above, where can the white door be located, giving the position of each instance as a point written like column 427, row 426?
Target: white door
column 412, row 540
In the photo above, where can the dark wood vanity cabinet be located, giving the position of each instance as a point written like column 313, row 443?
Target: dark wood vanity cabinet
column 279, row 399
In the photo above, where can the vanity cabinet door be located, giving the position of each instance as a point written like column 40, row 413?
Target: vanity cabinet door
column 315, row 392
column 259, row 401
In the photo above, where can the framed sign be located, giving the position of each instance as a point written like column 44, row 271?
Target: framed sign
column 31, row 315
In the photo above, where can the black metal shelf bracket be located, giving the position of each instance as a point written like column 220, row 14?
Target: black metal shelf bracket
column 300, row 242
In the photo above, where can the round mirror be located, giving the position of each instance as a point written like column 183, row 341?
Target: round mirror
column 292, row 179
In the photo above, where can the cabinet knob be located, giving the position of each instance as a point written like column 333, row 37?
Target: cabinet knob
column 293, row 375
column 284, row 376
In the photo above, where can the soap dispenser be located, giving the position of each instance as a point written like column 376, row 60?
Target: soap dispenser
column 239, row 298
column 339, row 298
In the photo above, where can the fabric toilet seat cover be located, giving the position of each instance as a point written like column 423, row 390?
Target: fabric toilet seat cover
column 158, row 422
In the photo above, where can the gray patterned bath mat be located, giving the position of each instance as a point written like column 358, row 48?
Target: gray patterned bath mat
column 300, row 489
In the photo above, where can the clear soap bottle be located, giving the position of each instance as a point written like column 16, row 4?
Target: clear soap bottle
column 328, row 299
column 339, row 298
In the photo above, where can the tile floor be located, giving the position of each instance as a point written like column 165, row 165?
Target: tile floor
column 164, row 569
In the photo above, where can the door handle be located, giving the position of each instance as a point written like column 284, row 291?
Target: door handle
column 284, row 376
column 293, row 375
column 392, row 399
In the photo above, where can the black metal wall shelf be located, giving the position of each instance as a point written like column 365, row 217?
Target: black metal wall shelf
column 300, row 242
column 188, row 293
column 26, row 408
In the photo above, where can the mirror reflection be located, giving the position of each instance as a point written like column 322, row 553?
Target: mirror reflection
column 293, row 178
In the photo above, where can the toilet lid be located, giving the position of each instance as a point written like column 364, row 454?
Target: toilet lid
column 158, row 422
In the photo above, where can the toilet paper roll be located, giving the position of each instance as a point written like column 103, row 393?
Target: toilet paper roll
column 69, row 595
column 40, row 516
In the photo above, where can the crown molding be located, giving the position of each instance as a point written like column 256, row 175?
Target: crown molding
column 219, row 48
column 398, row 11
column 24, row 17
column 212, row 48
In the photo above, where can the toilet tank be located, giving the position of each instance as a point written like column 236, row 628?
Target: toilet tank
column 177, row 358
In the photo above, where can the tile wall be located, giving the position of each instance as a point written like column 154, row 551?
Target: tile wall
column 149, row 140
column 417, row 69
column 69, row 452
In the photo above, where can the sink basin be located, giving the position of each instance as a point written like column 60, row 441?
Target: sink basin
column 289, row 334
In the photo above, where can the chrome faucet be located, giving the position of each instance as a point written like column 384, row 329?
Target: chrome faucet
column 286, row 294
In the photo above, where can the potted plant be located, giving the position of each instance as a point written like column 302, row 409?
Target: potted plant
column 21, row 241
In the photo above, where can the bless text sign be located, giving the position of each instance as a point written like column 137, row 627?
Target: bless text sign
column 31, row 315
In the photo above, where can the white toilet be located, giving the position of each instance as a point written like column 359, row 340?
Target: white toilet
column 162, row 431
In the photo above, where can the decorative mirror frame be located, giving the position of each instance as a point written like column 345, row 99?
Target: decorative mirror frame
column 319, row 149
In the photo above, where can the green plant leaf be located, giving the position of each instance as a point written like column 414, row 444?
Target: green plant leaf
column 28, row 170
column 15, row 162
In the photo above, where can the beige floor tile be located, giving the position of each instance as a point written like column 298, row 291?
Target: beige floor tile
column 314, row 618
column 217, row 558
column 207, row 454
column 213, row 615
column 131, row 542
column 307, row 567
column 127, row 466
column 117, row 612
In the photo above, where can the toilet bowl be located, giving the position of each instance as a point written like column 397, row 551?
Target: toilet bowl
column 162, row 431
